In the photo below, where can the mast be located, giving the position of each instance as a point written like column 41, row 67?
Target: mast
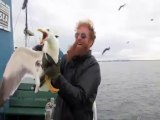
column 26, row 31
column 26, row 24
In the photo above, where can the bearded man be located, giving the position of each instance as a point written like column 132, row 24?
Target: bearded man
column 77, row 77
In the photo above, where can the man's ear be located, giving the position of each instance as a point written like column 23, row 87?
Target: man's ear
column 90, row 43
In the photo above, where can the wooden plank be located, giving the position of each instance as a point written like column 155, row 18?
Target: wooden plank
column 32, row 94
column 26, row 86
column 40, row 103
column 25, row 111
column 26, row 102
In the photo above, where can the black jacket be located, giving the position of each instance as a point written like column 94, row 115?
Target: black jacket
column 78, row 86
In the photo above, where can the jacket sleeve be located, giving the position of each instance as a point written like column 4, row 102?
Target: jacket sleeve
column 86, row 85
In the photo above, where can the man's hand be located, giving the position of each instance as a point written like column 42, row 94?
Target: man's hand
column 51, row 69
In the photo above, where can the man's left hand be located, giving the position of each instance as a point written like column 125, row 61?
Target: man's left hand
column 51, row 69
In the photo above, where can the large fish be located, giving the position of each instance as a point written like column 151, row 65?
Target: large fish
column 26, row 61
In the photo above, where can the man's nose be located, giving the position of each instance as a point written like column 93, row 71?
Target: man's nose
column 79, row 37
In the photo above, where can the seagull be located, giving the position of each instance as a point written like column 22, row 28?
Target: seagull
column 121, row 6
column 26, row 61
column 152, row 19
column 108, row 48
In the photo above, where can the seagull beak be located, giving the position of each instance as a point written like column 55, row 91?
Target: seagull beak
column 45, row 35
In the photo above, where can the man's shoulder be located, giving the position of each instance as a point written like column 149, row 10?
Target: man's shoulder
column 91, row 61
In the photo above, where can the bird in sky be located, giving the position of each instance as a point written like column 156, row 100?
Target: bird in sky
column 108, row 48
column 121, row 7
column 127, row 42
column 151, row 19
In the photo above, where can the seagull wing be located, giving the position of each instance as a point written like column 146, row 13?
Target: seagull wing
column 121, row 6
column 105, row 50
column 20, row 63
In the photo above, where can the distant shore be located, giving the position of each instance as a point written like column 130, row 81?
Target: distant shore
column 123, row 60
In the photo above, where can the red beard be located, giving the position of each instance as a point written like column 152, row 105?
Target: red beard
column 77, row 51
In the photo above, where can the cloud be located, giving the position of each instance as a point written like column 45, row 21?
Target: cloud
column 113, row 28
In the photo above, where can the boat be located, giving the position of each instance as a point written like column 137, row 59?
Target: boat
column 15, row 107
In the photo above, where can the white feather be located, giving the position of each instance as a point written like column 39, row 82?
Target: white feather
column 52, row 47
column 22, row 62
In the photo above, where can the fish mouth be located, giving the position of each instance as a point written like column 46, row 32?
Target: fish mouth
column 44, row 35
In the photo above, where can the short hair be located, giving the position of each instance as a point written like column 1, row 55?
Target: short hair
column 88, row 23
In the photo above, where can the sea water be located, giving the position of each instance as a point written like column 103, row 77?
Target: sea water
column 129, row 90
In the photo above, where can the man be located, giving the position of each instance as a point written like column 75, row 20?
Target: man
column 77, row 77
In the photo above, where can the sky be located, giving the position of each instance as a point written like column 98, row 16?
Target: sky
column 132, row 33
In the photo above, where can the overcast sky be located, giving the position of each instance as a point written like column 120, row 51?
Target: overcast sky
column 132, row 32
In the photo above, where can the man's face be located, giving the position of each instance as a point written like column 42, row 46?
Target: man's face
column 82, row 37
column 82, row 43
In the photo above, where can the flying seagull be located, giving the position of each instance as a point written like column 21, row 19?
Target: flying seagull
column 108, row 48
column 127, row 42
column 121, row 7
column 151, row 19
column 26, row 61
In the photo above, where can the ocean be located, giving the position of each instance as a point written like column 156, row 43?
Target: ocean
column 129, row 90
